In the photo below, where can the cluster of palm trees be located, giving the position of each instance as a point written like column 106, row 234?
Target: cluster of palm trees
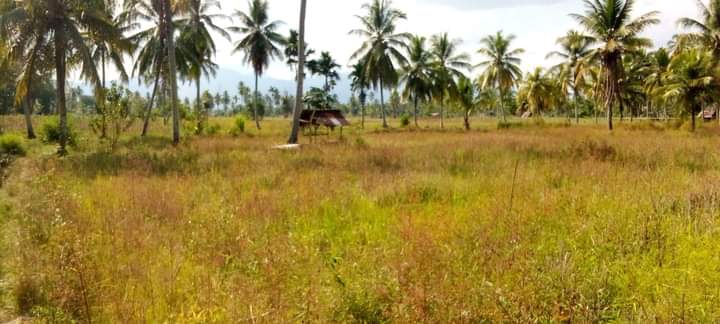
column 166, row 38
column 606, row 66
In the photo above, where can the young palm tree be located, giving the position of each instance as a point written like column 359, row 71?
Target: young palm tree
column 417, row 74
column 501, row 68
column 465, row 97
column 707, row 28
column 360, row 85
column 195, row 36
column 609, row 24
column 300, row 78
column 326, row 67
column 689, row 81
column 575, row 52
column 448, row 65
column 660, row 60
column 56, row 28
column 382, row 50
column 537, row 92
column 260, row 43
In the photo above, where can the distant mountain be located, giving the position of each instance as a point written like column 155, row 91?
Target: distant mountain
column 227, row 80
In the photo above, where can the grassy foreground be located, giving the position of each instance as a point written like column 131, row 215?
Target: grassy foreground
column 529, row 224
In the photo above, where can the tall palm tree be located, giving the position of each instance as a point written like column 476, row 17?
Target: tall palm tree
column 56, row 28
column 300, row 78
column 291, row 50
column 195, row 36
column 360, row 85
column 706, row 28
column 417, row 74
column 152, row 61
column 690, row 81
column 501, row 67
column 575, row 51
column 326, row 67
column 381, row 51
column 609, row 24
column 447, row 66
column 260, row 42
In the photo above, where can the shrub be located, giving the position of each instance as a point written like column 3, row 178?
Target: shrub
column 239, row 126
column 12, row 145
column 405, row 120
column 50, row 132
column 213, row 129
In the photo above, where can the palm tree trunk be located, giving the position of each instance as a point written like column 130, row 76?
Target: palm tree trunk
column 442, row 112
column 467, row 120
column 577, row 102
column 27, row 108
column 103, row 113
column 693, row 112
column 300, row 79
column 146, row 123
column 415, row 100
column 172, row 66
column 502, row 106
column 198, row 106
column 60, row 87
column 362, row 121
column 382, row 105
column 256, row 103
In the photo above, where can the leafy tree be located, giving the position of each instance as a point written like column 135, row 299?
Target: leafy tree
column 381, row 52
column 659, row 63
column 417, row 74
column 706, row 28
column 259, row 43
column 291, row 50
column 537, row 92
column 447, row 66
column 609, row 24
column 501, row 68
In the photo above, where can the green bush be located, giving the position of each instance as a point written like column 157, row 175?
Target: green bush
column 12, row 145
column 239, row 126
column 405, row 120
column 213, row 129
column 50, row 132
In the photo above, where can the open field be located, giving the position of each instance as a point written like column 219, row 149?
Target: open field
column 537, row 223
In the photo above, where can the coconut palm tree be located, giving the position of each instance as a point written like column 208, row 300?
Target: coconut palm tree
column 259, row 44
column 706, row 28
column 501, row 67
column 537, row 92
column 195, row 36
column 660, row 60
column 360, row 85
column 56, row 28
column 447, row 66
column 300, row 78
column 291, row 50
column 465, row 97
column 417, row 74
column 382, row 49
column 690, row 81
column 575, row 51
column 609, row 24
column 326, row 67
column 152, row 59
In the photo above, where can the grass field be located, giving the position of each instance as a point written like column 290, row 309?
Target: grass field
column 536, row 223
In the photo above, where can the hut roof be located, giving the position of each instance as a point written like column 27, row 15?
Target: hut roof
column 328, row 118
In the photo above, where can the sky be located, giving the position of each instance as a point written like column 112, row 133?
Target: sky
column 536, row 24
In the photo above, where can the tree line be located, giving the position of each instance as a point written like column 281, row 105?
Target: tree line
column 607, row 66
